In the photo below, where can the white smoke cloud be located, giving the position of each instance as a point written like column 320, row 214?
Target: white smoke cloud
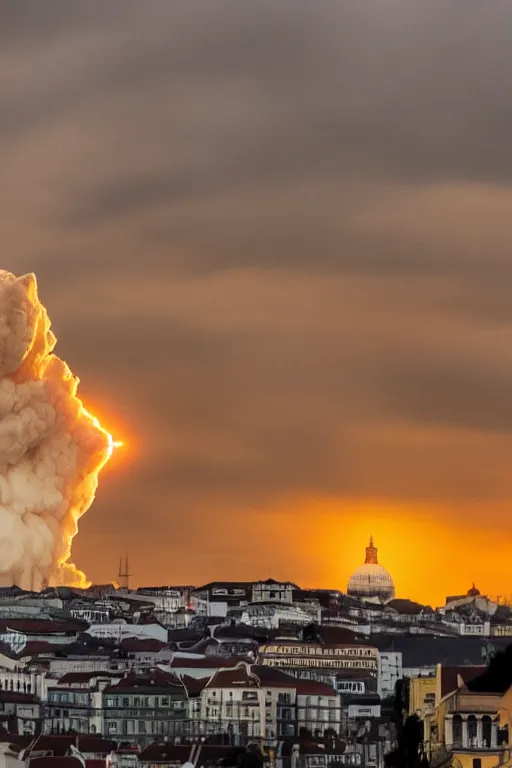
column 51, row 448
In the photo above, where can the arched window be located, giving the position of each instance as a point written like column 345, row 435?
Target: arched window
column 457, row 730
column 486, row 730
column 472, row 729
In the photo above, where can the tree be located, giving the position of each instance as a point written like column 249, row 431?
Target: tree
column 408, row 753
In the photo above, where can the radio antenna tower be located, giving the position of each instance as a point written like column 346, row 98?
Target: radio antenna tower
column 123, row 577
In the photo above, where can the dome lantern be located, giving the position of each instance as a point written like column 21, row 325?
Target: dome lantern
column 371, row 553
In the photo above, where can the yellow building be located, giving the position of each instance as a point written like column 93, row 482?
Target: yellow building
column 461, row 727
column 469, row 723
column 428, row 695
column 422, row 695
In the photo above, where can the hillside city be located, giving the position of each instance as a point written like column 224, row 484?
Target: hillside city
column 263, row 672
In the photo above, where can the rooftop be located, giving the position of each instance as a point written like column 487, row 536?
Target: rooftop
column 450, row 675
column 154, row 680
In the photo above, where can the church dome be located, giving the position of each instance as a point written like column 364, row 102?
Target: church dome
column 371, row 580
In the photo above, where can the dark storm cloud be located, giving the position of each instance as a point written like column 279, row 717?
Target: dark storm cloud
column 275, row 237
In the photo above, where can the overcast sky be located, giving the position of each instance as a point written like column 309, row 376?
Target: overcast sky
column 275, row 242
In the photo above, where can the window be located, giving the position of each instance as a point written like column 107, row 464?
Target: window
column 112, row 727
column 487, row 730
column 164, row 701
column 477, row 762
column 472, row 727
column 457, row 730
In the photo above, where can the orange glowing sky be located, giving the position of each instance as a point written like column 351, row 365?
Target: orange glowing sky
column 275, row 246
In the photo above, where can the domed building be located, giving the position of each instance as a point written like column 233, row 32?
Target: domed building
column 371, row 580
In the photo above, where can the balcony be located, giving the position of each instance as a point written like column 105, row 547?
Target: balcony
column 477, row 748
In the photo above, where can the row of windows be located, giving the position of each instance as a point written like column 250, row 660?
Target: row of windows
column 347, row 759
column 502, row 629
column 317, row 650
column 335, row 663
column 246, row 695
column 350, row 686
column 248, row 713
column 23, row 686
column 140, row 701
column 68, row 697
column 152, row 727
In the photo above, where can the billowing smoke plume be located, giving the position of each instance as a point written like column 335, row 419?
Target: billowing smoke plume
column 51, row 449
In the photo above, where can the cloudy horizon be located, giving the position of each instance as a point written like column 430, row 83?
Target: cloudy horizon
column 273, row 241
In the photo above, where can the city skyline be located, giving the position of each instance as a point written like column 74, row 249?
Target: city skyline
column 401, row 576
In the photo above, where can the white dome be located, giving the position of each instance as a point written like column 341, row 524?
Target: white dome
column 371, row 579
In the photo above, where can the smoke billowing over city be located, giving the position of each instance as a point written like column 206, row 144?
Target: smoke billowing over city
column 51, row 448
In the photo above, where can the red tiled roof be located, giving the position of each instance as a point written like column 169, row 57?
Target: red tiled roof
column 19, row 740
column 211, row 753
column 272, row 677
column 194, row 685
column 60, row 745
column 43, row 626
column 84, row 677
column 210, row 662
column 233, row 678
column 449, row 677
column 312, row 688
column 54, row 762
column 36, row 647
column 154, row 679
column 142, row 644
column 165, row 753
column 17, row 696
column 97, row 744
